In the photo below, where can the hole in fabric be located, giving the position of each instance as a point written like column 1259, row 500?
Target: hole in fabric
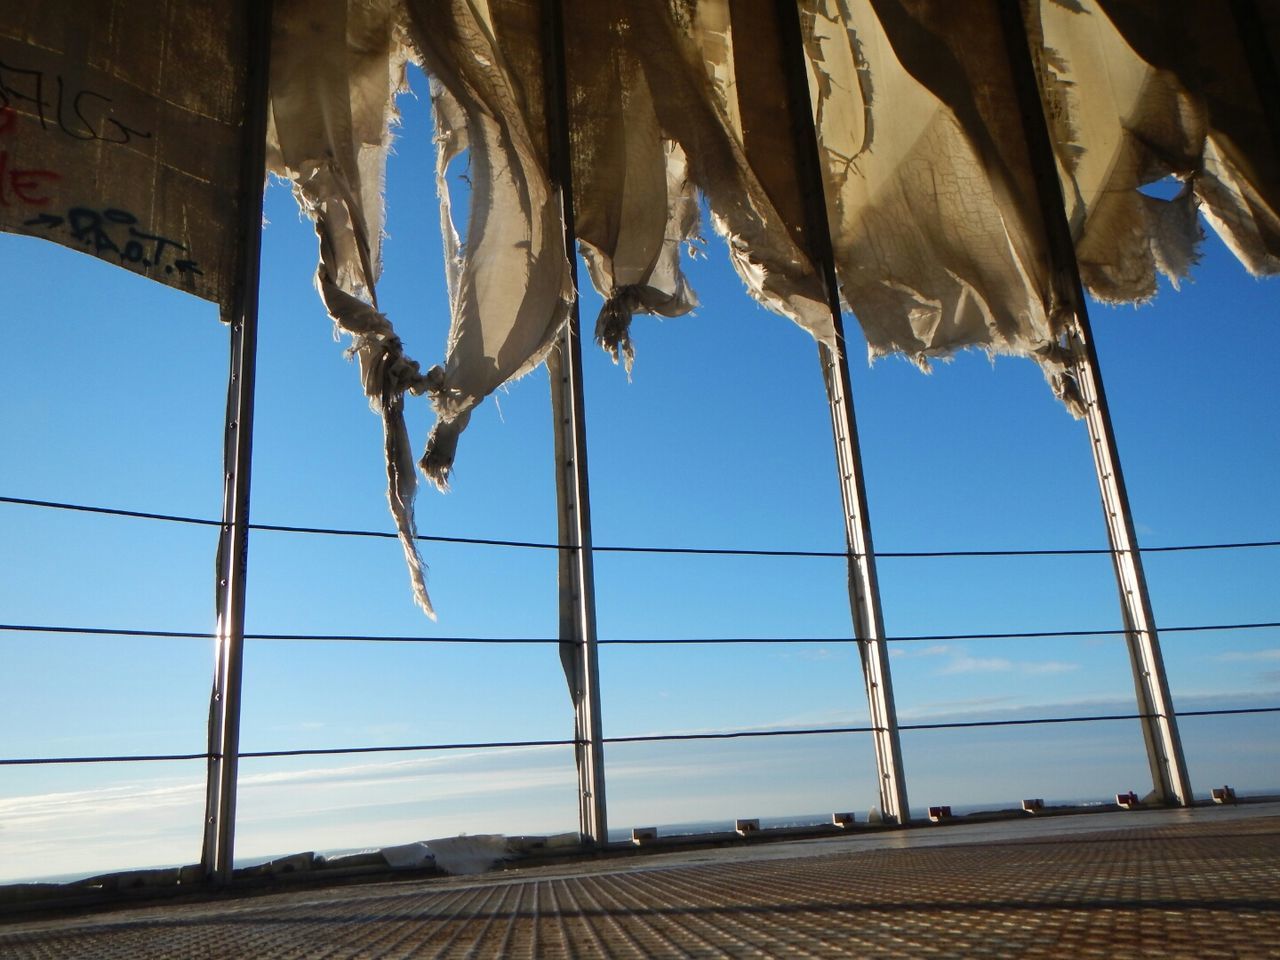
column 1165, row 189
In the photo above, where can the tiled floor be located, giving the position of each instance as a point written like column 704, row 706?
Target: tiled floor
column 1208, row 886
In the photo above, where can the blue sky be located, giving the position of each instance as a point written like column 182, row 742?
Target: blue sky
column 114, row 395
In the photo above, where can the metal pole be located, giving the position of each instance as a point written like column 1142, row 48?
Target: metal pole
column 573, row 500
column 233, row 543
column 1159, row 724
column 864, row 589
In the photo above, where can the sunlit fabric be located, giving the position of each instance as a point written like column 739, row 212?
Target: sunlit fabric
column 657, row 109
column 938, row 239
column 746, row 161
column 937, row 216
column 932, row 199
column 509, row 285
column 1140, row 91
column 334, row 72
column 121, row 134
column 634, row 203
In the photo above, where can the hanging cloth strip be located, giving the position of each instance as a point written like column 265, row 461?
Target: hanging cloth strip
column 931, row 197
column 938, row 240
column 335, row 69
column 1140, row 91
column 634, row 205
column 687, row 47
column 509, row 285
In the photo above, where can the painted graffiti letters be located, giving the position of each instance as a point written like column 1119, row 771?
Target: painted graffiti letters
column 111, row 233
column 58, row 130
column 115, row 233
column 19, row 184
column 79, row 113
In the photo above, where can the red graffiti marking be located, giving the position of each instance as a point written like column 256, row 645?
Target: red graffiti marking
column 107, row 232
column 18, row 183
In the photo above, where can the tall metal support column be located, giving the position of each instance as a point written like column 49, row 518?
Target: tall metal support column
column 578, row 650
column 233, row 543
column 1159, row 724
column 864, row 588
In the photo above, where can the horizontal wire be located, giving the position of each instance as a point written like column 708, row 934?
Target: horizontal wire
column 1025, row 635
column 734, row 735
column 687, row 551
column 662, row 641
column 110, row 511
column 145, row 758
column 963, row 724
column 105, row 631
column 1224, row 713
column 631, row 549
column 642, row 738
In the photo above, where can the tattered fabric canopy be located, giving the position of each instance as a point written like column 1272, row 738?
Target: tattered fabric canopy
column 121, row 135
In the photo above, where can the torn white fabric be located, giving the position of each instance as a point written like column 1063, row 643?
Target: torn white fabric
column 408, row 856
column 634, row 205
column 467, row 855
column 335, row 69
column 1145, row 90
column 723, row 98
column 657, row 108
column 1098, row 92
column 1236, row 175
column 509, row 284
column 753, row 186
column 931, row 197
column 1117, row 125
column 121, row 135
column 933, row 211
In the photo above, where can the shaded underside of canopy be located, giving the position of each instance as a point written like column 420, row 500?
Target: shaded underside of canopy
column 121, row 135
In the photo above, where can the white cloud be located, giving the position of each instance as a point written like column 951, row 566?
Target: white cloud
column 143, row 823
column 935, row 708
column 296, row 804
column 912, row 652
column 963, row 663
column 1048, row 666
column 1241, row 656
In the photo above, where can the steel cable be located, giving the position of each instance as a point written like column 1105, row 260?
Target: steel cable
column 659, row 641
column 686, row 551
column 640, row 738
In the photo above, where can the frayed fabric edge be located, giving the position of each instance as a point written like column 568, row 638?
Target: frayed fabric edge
column 1054, row 359
column 613, row 326
column 453, row 407
column 386, row 374
column 442, row 447
column 402, row 486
